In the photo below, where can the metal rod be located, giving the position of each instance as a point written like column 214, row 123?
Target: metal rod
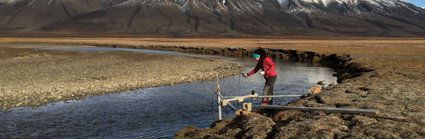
column 230, row 104
column 218, row 98
column 227, row 97
column 279, row 96
column 219, row 106
column 332, row 110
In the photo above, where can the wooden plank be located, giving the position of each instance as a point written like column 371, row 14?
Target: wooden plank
column 324, row 109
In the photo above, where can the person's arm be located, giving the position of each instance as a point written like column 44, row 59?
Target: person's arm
column 255, row 70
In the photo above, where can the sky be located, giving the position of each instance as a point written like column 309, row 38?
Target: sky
column 419, row 3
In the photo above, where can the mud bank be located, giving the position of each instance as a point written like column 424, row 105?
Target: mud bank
column 34, row 77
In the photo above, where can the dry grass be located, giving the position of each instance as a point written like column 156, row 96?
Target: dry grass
column 406, row 52
column 321, row 45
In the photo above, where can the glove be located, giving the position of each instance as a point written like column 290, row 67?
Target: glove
column 262, row 73
column 244, row 75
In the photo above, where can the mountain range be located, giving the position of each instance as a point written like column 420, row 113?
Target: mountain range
column 214, row 17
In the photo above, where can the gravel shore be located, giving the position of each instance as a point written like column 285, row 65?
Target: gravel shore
column 33, row 77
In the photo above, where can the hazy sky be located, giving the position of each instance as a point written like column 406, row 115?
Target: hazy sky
column 420, row 3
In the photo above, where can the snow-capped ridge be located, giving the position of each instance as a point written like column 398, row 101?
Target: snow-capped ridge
column 354, row 6
column 215, row 17
column 379, row 3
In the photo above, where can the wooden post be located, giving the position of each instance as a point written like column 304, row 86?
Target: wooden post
column 328, row 109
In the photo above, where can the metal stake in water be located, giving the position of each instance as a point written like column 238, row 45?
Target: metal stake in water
column 219, row 106
column 218, row 98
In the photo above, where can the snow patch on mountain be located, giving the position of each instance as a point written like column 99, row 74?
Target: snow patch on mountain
column 348, row 6
column 378, row 3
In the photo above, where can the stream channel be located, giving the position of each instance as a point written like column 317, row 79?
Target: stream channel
column 153, row 112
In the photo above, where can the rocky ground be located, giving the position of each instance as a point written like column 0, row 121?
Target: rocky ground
column 394, row 85
column 399, row 96
column 32, row 77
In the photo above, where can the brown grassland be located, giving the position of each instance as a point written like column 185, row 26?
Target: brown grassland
column 382, row 50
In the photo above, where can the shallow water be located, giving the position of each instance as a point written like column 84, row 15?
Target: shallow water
column 153, row 112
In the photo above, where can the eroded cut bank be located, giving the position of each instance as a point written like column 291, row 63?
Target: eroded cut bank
column 343, row 65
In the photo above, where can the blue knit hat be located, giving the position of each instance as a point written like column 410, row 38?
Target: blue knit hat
column 255, row 55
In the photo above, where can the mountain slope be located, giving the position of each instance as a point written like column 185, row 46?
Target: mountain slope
column 215, row 17
column 201, row 17
column 374, row 17
column 32, row 14
column 134, row 16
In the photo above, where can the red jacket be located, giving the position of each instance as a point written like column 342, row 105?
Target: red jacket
column 267, row 66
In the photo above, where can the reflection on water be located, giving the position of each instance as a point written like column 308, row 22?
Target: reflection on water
column 153, row 112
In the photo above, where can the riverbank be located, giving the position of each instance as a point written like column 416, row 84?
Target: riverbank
column 34, row 77
column 387, row 77
column 382, row 74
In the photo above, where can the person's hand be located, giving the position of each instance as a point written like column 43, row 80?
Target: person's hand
column 262, row 73
column 244, row 75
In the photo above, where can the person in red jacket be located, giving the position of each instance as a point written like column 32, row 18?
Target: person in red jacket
column 267, row 66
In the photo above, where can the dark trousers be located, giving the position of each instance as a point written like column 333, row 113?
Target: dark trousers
column 268, row 90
